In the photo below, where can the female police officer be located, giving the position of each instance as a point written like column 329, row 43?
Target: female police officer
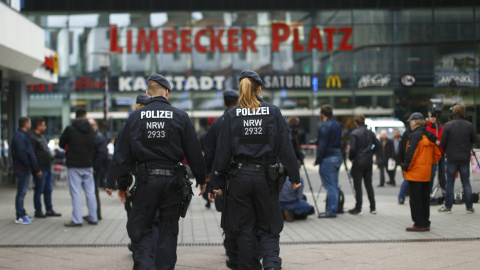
column 253, row 136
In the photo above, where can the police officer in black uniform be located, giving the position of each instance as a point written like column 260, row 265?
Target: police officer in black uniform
column 110, row 184
column 230, row 99
column 156, row 139
column 254, row 135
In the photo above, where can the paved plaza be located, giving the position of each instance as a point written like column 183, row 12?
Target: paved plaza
column 346, row 242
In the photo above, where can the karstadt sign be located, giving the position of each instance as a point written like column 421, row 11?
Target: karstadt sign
column 178, row 83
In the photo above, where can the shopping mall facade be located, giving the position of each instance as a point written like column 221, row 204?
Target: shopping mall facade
column 374, row 58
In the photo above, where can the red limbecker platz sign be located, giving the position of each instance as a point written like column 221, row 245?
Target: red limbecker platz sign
column 147, row 40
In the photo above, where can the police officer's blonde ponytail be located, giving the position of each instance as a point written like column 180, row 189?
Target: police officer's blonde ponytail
column 247, row 90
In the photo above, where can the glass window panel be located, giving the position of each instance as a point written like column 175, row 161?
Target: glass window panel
column 334, row 17
column 443, row 15
column 413, row 33
column 413, row 16
column 83, row 20
column 372, row 16
column 454, row 31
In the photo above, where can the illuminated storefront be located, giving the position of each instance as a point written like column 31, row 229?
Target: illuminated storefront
column 377, row 62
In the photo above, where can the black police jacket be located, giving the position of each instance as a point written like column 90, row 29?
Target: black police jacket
column 160, row 135
column 211, row 141
column 254, row 135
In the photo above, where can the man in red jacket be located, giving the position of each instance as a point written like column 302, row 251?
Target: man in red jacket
column 434, row 126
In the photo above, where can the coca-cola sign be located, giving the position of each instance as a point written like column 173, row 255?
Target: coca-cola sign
column 374, row 80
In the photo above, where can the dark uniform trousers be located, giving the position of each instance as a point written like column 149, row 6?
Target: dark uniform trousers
column 150, row 197
column 420, row 203
column 255, row 217
column 364, row 172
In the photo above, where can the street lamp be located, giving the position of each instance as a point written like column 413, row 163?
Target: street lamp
column 104, row 63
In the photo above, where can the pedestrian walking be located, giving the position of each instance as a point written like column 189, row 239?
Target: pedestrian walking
column 78, row 140
column 384, row 154
column 155, row 140
column 24, row 163
column 457, row 139
column 363, row 144
column 254, row 136
column 43, row 185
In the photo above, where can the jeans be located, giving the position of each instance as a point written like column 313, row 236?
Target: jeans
column 79, row 178
column 300, row 207
column 440, row 165
column 464, row 170
column 403, row 190
column 329, row 173
column 43, row 186
column 23, row 178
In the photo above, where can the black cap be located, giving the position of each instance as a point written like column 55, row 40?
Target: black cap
column 251, row 74
column 230, row 93
column 415, row 116
column 160, row 80
column 142, row 99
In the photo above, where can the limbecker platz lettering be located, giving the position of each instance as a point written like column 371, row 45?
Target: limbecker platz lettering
column 237, row 39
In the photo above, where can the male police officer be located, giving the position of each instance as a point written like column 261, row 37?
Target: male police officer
column 230, row 99
column 156, row 138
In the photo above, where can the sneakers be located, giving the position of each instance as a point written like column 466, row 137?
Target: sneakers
column 355, row 212
column 30, row 217
column 444, row 210
column 470, row 211
column 23, row 220
column 401, row 202
column 373, row 212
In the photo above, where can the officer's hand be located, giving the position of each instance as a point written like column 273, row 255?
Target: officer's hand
column 218, row 192
column 211, row 197
column 121, row 195
column 109, row 192
column 39, row 174
column 207, row 177
column 204, row 188
column 295, row 185
column 314, row 164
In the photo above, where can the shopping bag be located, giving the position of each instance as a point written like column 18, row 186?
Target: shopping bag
column 391, row 164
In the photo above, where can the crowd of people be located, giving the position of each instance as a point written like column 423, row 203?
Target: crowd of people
column 247, row 163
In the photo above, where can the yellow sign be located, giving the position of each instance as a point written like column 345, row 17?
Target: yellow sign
column 334, row 81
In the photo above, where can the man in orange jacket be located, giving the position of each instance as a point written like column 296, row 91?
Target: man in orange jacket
column 421, row 154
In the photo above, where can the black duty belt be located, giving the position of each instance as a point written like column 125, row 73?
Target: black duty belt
column 253, row 167
column 160, row 172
